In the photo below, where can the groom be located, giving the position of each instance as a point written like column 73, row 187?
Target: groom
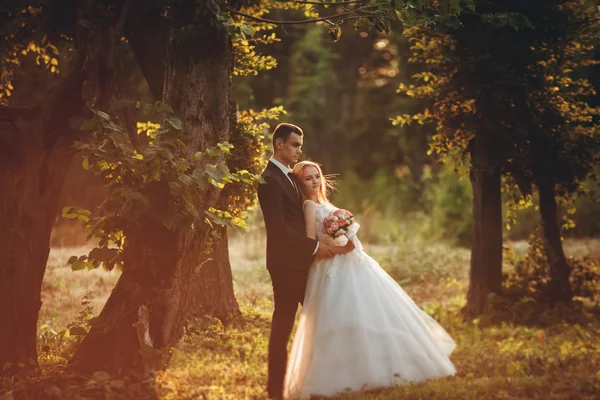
column 289, row 251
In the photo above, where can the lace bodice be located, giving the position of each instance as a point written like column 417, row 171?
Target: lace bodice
column 323, row 210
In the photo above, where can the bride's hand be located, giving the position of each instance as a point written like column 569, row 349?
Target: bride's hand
column 344, row 249
column 350, row 246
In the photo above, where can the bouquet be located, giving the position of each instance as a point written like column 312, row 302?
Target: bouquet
column 337, row 223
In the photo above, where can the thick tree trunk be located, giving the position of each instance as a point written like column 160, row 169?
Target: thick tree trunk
column 212, row 286
column 560, row 288
column 27, row 217
column 143, row 318
column 32, row 173
column 486, row 252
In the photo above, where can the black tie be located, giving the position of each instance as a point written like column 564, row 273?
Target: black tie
column 294, row 183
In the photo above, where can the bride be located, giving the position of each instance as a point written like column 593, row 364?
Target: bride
column 358, row 329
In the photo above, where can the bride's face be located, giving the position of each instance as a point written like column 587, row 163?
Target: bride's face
column 310, row 181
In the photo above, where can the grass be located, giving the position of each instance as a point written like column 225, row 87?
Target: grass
column 556, row 355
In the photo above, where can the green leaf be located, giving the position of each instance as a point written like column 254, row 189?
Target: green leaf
column 217, row 172
column 213, row 152
column 176, row 123
column 136, row 198
column 215, row 218
column 102, row 254
column 248, row 30
column 469, row 5
column 85, row 163
column 453, row 22
column 150, row 153
column 72, row 213
column 72, row 259
column 239, row 223
column 225, row 147
column 78, row 265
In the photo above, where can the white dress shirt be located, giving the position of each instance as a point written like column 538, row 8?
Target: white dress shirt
column 286, row 170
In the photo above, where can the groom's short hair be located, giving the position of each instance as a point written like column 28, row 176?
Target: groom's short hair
column 284, row 130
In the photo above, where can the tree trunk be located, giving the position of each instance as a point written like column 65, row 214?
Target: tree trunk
column 32, row 173
column 144, row 316
column 560, row 288
column 212, row 286
column 486, row 252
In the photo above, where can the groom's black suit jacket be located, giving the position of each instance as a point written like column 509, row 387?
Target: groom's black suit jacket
column 289, row 250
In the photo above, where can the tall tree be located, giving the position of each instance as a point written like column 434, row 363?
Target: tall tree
column 561, row 143
column 36, row 154
column 493, row 99
column 144, row 315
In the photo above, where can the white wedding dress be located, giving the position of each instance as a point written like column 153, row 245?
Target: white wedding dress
column 359, row 330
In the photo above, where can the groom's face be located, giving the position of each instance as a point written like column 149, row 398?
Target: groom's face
column 291, row 149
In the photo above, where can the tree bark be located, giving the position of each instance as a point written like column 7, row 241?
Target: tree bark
column 560, row 287
column 148, row 34
column 32, row 173
column 212, row 286
column 143, row 318
column 486, row 252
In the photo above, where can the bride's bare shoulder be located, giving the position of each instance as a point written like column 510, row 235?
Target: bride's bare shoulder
column 309, row 204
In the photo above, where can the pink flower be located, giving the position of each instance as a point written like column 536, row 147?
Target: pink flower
column 335, row 226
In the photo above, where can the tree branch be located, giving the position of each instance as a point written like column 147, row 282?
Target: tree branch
column 304, row 21
column 148, row 33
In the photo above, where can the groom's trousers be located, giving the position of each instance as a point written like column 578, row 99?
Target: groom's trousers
column 288, row 291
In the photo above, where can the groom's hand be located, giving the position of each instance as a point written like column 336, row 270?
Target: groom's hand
column 324, row 251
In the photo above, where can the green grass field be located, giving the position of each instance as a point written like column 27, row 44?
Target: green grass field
column 555, row 356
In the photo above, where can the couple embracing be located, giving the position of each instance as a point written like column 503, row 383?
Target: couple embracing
column 358, row 329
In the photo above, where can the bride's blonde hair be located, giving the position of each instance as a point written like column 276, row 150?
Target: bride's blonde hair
column 327, row 182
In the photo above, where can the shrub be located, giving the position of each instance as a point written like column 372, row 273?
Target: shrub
column 530, row 275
